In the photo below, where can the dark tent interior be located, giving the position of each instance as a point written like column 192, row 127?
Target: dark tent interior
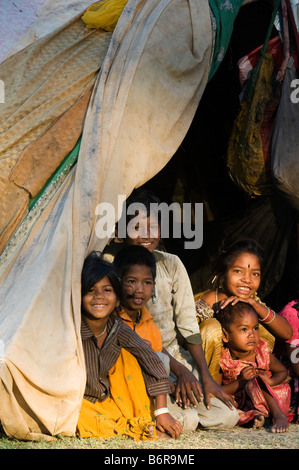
column 198, row 173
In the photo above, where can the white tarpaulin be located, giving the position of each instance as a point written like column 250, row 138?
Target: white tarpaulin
column 23, row 22
column 143, row 103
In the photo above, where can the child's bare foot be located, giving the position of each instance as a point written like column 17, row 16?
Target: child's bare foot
column 280, row 423
column 258, row 422
column 151, row 431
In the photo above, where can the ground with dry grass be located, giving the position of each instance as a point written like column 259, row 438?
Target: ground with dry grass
column 238, row 438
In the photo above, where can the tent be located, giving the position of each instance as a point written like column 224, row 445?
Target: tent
column 108, row 112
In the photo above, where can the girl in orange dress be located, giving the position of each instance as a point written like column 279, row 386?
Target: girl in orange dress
column 126, row 383
column 249, row 372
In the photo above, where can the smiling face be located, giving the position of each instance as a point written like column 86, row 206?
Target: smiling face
column 243, row 334
column 137, row 285
column 143, row 230
column 243, row 277
column 100, row 300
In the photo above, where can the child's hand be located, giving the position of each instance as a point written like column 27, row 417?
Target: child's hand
column 235, row 299
column 247, row 373
column 266, row 378
column 167, row 424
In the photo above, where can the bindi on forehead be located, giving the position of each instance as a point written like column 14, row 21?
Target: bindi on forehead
column 247, row 260
column 251, row 268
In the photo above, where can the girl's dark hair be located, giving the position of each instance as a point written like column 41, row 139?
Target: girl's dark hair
column 94, row 269
column 228, row 314
column 228, row 255
column 134, row 254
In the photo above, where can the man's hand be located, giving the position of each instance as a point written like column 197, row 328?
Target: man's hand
column 212, row 389
column 188, row 390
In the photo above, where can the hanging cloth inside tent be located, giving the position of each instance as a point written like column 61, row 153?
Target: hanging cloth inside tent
column 248, row 153
column 285, row 141
column 225, row 13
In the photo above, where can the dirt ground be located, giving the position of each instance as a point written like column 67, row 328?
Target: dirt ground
column 238, row 438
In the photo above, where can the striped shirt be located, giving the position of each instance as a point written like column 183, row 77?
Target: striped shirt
column 98, row 361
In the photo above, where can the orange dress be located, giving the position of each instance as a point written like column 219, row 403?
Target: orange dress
column 127, row 413
column 129, row 410
column 251, row 401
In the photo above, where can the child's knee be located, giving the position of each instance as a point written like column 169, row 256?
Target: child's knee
column 219, row 416
column 187, row 417
column 190, row 419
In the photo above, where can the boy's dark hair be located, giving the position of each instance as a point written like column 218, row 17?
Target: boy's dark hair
column 227, row 315
column 228, row 255
column 94, row 269
column 134, row 254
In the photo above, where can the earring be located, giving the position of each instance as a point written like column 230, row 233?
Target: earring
column 215, row 280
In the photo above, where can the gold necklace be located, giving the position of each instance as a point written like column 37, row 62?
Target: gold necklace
column 101, row 334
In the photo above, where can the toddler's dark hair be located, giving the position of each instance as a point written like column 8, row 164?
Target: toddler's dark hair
column 94, row 269
column 227, row 315
column 134, row 254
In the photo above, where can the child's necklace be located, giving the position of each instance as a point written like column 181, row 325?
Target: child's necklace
column 101, row 334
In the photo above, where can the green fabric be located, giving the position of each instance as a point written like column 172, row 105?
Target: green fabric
column 37, row 205
column 61, row 171
column 225, row 13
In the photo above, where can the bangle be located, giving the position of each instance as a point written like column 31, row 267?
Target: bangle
column 271, row 319
column 160, row 411
column 269, row 311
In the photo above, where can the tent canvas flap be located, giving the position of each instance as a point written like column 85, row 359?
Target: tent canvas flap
column 142, row 105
